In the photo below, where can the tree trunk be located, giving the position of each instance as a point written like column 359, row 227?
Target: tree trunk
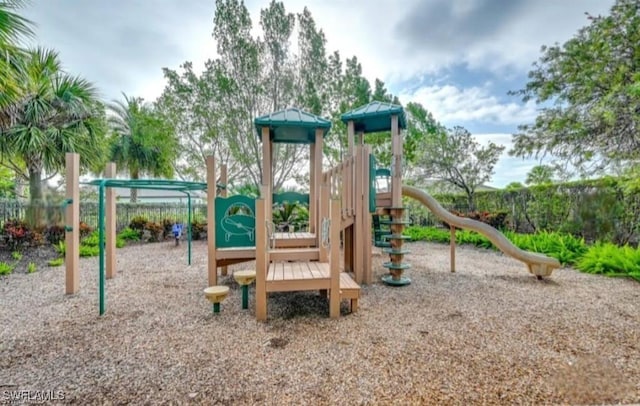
column 133, row 193
column 34, row 212
column 471, row 201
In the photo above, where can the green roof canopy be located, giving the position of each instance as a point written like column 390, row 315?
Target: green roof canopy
column 293, row 126
column 375, row 117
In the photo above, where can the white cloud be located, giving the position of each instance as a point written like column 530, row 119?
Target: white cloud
column 452, row 105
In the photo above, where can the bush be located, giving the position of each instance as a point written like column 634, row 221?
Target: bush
column 5, row 268
column 85, row 229
column 56, row 262
column 54, row 234
column 155, row 230
column 496, row 219
column 611, row 260
column 198, row 230
column 128, row 234
column 17, row 234
column 564, row 247
column 138, row 223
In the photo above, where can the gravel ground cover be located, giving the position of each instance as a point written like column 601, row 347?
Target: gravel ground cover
column 489, row 333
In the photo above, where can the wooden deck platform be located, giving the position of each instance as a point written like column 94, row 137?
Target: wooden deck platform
column 295, row 240
column 297, row 276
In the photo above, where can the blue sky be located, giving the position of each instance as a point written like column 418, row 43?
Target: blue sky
column 459, row 58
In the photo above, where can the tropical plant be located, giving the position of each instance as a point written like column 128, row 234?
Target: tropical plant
column 143, row 141
column 13, row 30
column 540, row 175
column 55, row 113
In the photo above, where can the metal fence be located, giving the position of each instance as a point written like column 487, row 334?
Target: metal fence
column 125, row 212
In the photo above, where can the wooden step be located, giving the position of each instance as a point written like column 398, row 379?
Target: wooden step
column 294, row 254
column 349, row 289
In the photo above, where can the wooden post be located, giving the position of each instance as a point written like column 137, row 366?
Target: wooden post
column 72, row 219
column 350, row 137
column 262, row 262
column 452, row 247
column 396, row 162
column 367, row 237
column 211, row 219
column 110, row 220
column 358, row 227
column 223, row 193
column 314, row 193
column 266, row 171
column 334, row 239
column 325, row 200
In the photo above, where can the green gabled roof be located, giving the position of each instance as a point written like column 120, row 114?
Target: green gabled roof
column 292, row 126
column 375, row 117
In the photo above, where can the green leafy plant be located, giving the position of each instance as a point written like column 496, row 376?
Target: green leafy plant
column 5, row 268
column 60, row 247
column 31, row 268
column 56, row 262
column 16, row 255
column 611, row 260
column 128, row 234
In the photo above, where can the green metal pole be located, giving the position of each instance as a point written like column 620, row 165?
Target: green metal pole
column 101, row 246
column 216, row 307
column 189, row 227
column 245, row 296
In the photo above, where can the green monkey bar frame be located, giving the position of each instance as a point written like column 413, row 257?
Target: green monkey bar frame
column 157, row 184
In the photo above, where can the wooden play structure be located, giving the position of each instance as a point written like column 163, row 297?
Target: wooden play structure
column 348, row 208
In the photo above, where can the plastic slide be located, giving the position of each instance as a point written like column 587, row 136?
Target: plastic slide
column 538, row 264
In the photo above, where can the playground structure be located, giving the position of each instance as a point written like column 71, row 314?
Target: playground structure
column 341, row 201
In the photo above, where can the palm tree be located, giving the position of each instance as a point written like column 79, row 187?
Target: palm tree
column 143, row 141
column 540, row 175
column 55, row 113
column 14, row 29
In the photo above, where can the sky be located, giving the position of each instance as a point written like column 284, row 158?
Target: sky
column 459, row 58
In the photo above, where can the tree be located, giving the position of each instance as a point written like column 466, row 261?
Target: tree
column 143, row 141
column 540, row 175
column 53, row 113
column 590, row 87
column 514, row 186
column 455, row 157
column 13, row 30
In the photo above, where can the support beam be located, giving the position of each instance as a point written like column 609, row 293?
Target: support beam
column 334, row 239
column 313, row 189
column 367, row 276
column 396, row 162
column 223, row 193
column 267, row 153
column 350, row 137
column 110, row 222
column 72, row 220
column 317, row 174
column 212, row 269
column 262, row 260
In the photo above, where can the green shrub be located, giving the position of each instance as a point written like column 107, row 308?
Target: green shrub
column 564, row 247
column 611, row 260
column 137, row 223
column 16, row 255
column 61, row 248
column 5, row 268
column 31, row 268
column 56, row 262
column 129, row 234
column 89, row 250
